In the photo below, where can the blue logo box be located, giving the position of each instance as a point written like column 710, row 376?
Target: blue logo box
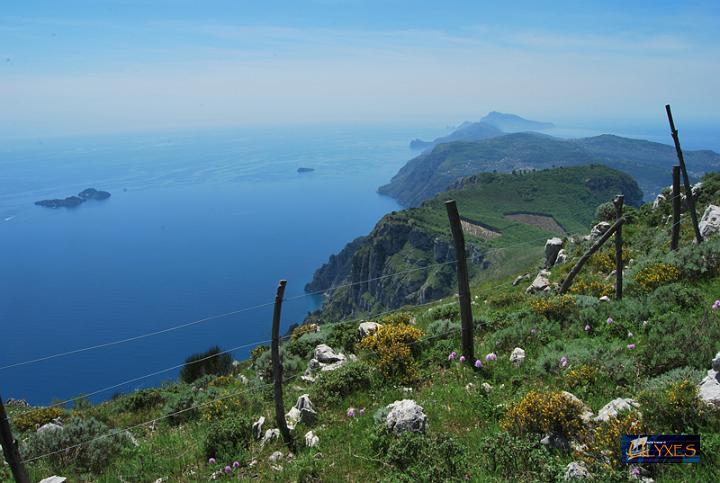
column 660, row 448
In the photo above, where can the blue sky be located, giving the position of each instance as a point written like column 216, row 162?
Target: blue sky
column 75, row 67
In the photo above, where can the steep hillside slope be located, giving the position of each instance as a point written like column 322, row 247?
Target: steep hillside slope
column 404, row 250
column 432, row 172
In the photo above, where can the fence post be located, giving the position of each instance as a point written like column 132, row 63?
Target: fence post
column 675, row 238
column 618, row 202
column 578, row 266
column 466, row 317
column 278, row 369
column 686, row 179
column 10, row 449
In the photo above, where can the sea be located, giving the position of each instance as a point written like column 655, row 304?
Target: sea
column 199, row 224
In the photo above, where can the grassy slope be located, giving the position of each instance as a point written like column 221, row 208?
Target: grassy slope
column 472, row 418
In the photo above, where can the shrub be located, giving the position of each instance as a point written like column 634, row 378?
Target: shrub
column 221, row 381
column 304, row 346
column 256, row 352
column 500, row 457
column 34, row 418
column 397, row 318
column 442, row 329
column 581, row 376
column 594, row 288
column 653, row 276
column 221, row 408
column 343, row 336
column 449, row 311
column 542, row 413
column 332, row 386
column 212, row 361
column 140, row 400
column 227, row 439
column 697, row 261
column 392, row 346
column 605, row 212
column 180, row 408
column 613, row 361
column 420, row 457
column 673, row 297
column 78, row 443
column 300, row 330
column 291, row 364
column 605, row 444
column 559, row 307
column 675, row 407
column 506, row 299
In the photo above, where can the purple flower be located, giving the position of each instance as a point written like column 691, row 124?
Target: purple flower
column 716, row 305
column 631, row 346
column 491, row 357
column 610, row 320
column 351, row 412
column 478, row 364
column 236, row 464
column 563, row 361
column 635, row 472
column 588, row 327
column 452, row 356
column 462, row 358
column 228, row 470
column 212, row 461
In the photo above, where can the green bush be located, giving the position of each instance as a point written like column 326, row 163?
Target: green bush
column 420, row 457
column 674, row 408
column 181, row 408
column 442, row 329
column 506, row 299
column 697, row 261
column 292, row 364
column 332, row 386
column 449, row 311
column 605, row 212
column 78, row 444
column 343, row 336
column 500, row 456
column 211, row 361
column 228, row 439
column 397, row 318
column 304, row 345
column 34, row 418
column 140, row 400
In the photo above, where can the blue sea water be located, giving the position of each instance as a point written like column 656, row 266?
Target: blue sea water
column 198, row 224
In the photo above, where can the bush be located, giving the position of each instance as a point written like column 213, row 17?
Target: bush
column 393, row 348
column 605, row 444
column 256, row 352
column 581, row 376
column 332, row 386
column 221, row 408
column 697, row 261
column 212, row 361
column 500, row 457
column 653, row 276
column 141, row 400
column 34, row 418
column 605, row 212
column 180, row 408
column 673, row 297
column 543, row 413
column 397, row 318
column 449, row 311
column 506, row 299
column 594, row 288
column 79, row 444
column 674, row 407
column 343, row 336
column 304, row 346
column 420, row 457
column 291, row 364
column 560, row 307
column 227, row 439
column 303, row 329
column 442, row 329
column 613, row 361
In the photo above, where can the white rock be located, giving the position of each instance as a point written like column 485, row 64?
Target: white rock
column 308, row 415
column 54, row 479
column 611, row 409
column 520, row 278
column 710, row 222
column 292, row 418
column 604, row 298
column 709, row 388
column 552, row 248
column 406, row 415
column 276, row 456
column 561, row 257
column 243, row 379
column 311, row 439
column 486, row 387
column 517, row 357
column 270, row 435
column 716, row 362
column 325, row 354
column 658, row 201
column 540, row 283
column 49, row 427
column 257, row 428
column 587, row 414
column 470, row 387
column 576, row 471
column 367, row 328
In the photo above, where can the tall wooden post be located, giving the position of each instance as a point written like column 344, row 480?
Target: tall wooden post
column 675, row 238
column 278, row 369
column 10, row 449
column 618, row 202
column 466, row 317
column 686, row 179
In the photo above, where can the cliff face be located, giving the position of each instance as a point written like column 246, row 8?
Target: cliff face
column 398, row 258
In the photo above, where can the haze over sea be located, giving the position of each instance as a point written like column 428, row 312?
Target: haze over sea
column 199, row 223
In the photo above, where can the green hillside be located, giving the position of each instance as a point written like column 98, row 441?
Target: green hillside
column 430, row 173
column 536, row 420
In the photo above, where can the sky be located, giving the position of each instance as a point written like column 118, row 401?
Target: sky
column 107, row 66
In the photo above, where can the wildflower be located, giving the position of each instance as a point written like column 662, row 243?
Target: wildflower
column 635, row 472
column 478, row 364
column 236, row 464
column 211, row 461
column 228, row 470
column 491, row 357
column 462, row 358
column 452, row 356
column 588, row 327
column 610, row 320
column 563, row 361
column 716, row 305
column 351, row 412
column 631, row 346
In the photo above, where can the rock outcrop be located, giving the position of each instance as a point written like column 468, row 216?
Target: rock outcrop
column 576, row 471
column 367, row 328
column 406, row 415
column 709, row 388
column 517, row 357
column 552, row 249
column 710, row 221
column 611, row 409
column 541, row 282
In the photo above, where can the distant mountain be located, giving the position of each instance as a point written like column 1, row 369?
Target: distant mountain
column 513, row 123
column 434, row 171
column 468, row 131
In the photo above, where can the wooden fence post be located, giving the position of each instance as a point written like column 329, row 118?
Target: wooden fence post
column 578, row 266
column 278, row 369
column 466, row 317
column 686, row 179
column 675, row 238
column 10, row 448
column 618, row 202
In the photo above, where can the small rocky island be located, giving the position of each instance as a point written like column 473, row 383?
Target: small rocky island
column 305, row 170
column 75, row 201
